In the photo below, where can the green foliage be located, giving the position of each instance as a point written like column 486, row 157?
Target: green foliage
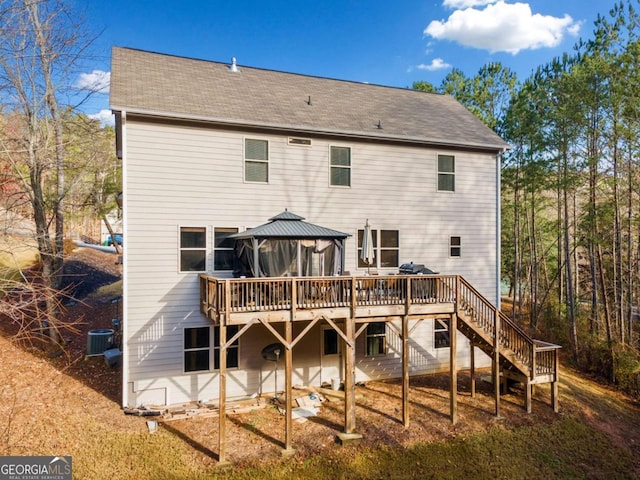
column 627, row 369
column 424, row 87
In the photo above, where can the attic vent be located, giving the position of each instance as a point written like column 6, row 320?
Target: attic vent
column 233, row 67
column 300, row 141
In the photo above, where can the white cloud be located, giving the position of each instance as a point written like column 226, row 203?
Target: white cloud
column 96, row 81
column 502, row 27
column 104, row 116
column 457, row 4
column 436, row 64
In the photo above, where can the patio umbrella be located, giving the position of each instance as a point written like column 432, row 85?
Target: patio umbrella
column 367, row 254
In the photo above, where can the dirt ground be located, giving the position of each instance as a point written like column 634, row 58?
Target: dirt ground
column 75, row 384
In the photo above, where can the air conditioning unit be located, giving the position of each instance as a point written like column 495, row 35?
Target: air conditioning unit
column 99, row 340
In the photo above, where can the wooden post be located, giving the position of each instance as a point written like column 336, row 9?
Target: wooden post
column 288, row 367
column 405, row 370
column 528, row 388
column 554, row 385
column 222, row 400
column 496, row 361
column 349, row 377
column 453, row 350
column 472, row 372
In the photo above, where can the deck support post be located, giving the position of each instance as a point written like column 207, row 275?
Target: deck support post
column 554, row 384
column 222, row 376
column 349, row 377
column 528, row 393
column 472, row 369
column 288, row 366
column 453, row 367
column 496, row 361
column 405, row 371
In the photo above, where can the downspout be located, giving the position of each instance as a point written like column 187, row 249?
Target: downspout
column 498, row 229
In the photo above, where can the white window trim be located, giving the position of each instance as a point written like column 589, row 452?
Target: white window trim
column 438, row 172
column 185, row 350
column 206, row 249
column 350, row 167
column 437, row 330
column 455, row 246
column 214, row 249
column 386, row 342
column 378, row 248
column 245, row 159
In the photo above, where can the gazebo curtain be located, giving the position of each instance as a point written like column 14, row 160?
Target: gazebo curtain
column 290, row 257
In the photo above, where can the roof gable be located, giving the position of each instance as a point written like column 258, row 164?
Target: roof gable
column 184, row 88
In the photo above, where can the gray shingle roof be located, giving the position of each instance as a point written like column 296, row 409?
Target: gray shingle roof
column 168, row 86
column 289, row 225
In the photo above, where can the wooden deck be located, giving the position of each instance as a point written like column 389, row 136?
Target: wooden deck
column 358, row 300
column 235, row 301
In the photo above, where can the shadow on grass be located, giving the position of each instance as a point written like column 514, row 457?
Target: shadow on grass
column 256, row 431
column 191, row 442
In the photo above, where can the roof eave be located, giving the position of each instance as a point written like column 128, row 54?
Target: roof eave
column 288, row 129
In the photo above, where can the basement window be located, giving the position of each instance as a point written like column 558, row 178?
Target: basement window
column 376, row 339
column 232, row 350
column 196, row 349
column 441, row 337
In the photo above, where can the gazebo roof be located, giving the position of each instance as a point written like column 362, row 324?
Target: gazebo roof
column 289, row 225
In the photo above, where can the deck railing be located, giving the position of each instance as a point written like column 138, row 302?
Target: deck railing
column 222, row 297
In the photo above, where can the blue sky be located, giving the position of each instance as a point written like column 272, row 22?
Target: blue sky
column 387, row 42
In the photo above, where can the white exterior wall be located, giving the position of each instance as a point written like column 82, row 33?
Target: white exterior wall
column 191, row 176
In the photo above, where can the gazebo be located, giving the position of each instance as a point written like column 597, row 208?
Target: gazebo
column 287, row 246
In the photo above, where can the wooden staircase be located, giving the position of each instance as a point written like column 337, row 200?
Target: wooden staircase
column 520, row 357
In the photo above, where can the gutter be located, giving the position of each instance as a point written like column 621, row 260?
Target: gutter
column 288, row 129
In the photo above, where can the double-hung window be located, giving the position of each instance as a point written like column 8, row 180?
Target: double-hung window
column 376, row 339
column 256, row 160
column 441, row 337
column 340, row 167
column 389, row 248
column 446, row 173
column 232, row 350
column 193, row 249
column 455, row 246
column 196, row 349
column 386, row 248
column 223, row 248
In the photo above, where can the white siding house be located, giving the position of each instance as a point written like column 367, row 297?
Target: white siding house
column 207, row 152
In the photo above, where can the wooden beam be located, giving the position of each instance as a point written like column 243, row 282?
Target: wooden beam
column 305, row 331
column 288, row 367
column 472, row 371
column 339, row 331
column 222, row 373
column 405, row 371
column 453, row 367
column 350, row 377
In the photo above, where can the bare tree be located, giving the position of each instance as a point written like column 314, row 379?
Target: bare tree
column 40, row 47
